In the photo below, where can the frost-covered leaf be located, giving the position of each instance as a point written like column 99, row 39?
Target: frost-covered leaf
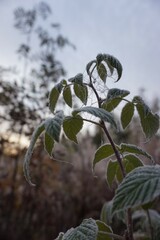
column 37, row 132
column 102, row 71
column 48, row 144
column 100, row 113
column 130, row 162
column 103, row 231
column 111, row 105
column 99, row 58
column 111, row 171
column 89, row 66
column 113, row 62
column 127, row 114
column 53, row 125
column 81, row 92
column 88, row 230
column 60, row 236
column 117, row 93
column 133, row 160
column 140, row 186
column 129, row 148
column 72, row 126
column 77, row 79
column 67, row 96
column 114, row 97
column 103, row 152
column 106, row 213
column 54, row 95
column 149, row 121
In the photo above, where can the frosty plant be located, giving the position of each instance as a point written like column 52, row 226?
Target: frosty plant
column 138, row 184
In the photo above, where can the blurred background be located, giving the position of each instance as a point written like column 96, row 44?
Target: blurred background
column 41, row 43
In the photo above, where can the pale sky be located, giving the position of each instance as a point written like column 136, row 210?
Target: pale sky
column 129, row 30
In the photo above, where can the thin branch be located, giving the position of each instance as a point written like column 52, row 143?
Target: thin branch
column 129, row 224
column 117, row 154
column 114, row 149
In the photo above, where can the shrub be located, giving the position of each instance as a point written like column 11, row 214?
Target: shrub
column 138, row 184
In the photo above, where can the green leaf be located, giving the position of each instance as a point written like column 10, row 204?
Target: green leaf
column 99, row 58
column 149, row 121
column 127, row 114
column 72, row 126
column 48, row 144
column 106, row 213
column 102, row 71
column 119, row 175
column 81, row 92
column 116, row 93
column 134, row 160
column 54, row 95
column 89, row 66
column 111, row 105
column 67, row 96
column 134, row 149
column 53, row 125
column 77, row 79
column 111, row 172
column 114, row 97
column 113, row 62
column 88, row 230
column 98, row 112
column 103, row 152
column 103, row 231
column 37, row 132
column 139, row 187
column 130, row 162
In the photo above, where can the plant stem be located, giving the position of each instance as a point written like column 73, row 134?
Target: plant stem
column 129, row 224
column 117, row 154
column 114, row 149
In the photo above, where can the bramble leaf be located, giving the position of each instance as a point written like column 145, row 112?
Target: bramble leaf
column 89, row 66
column 98, row 112
column 48, row 144
column 81, row 92
column 149, row 121
column 87, row 230
column 116, row 93
column 99, row 58
column 133, row 160
column 37, row 132
column 130, row 162
column 103, row 229
column 67, row 96
column 129, row 148
column 113, row 62
column 102, row 152
column 77, row 79
column 139, row 187
column 106, row 213
column 127, row 114
column 111, row 105
column 114, row 97
column 53, row 125
column 72, row 126
column 54, row 95
column 111, row 171
column 102, row 71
